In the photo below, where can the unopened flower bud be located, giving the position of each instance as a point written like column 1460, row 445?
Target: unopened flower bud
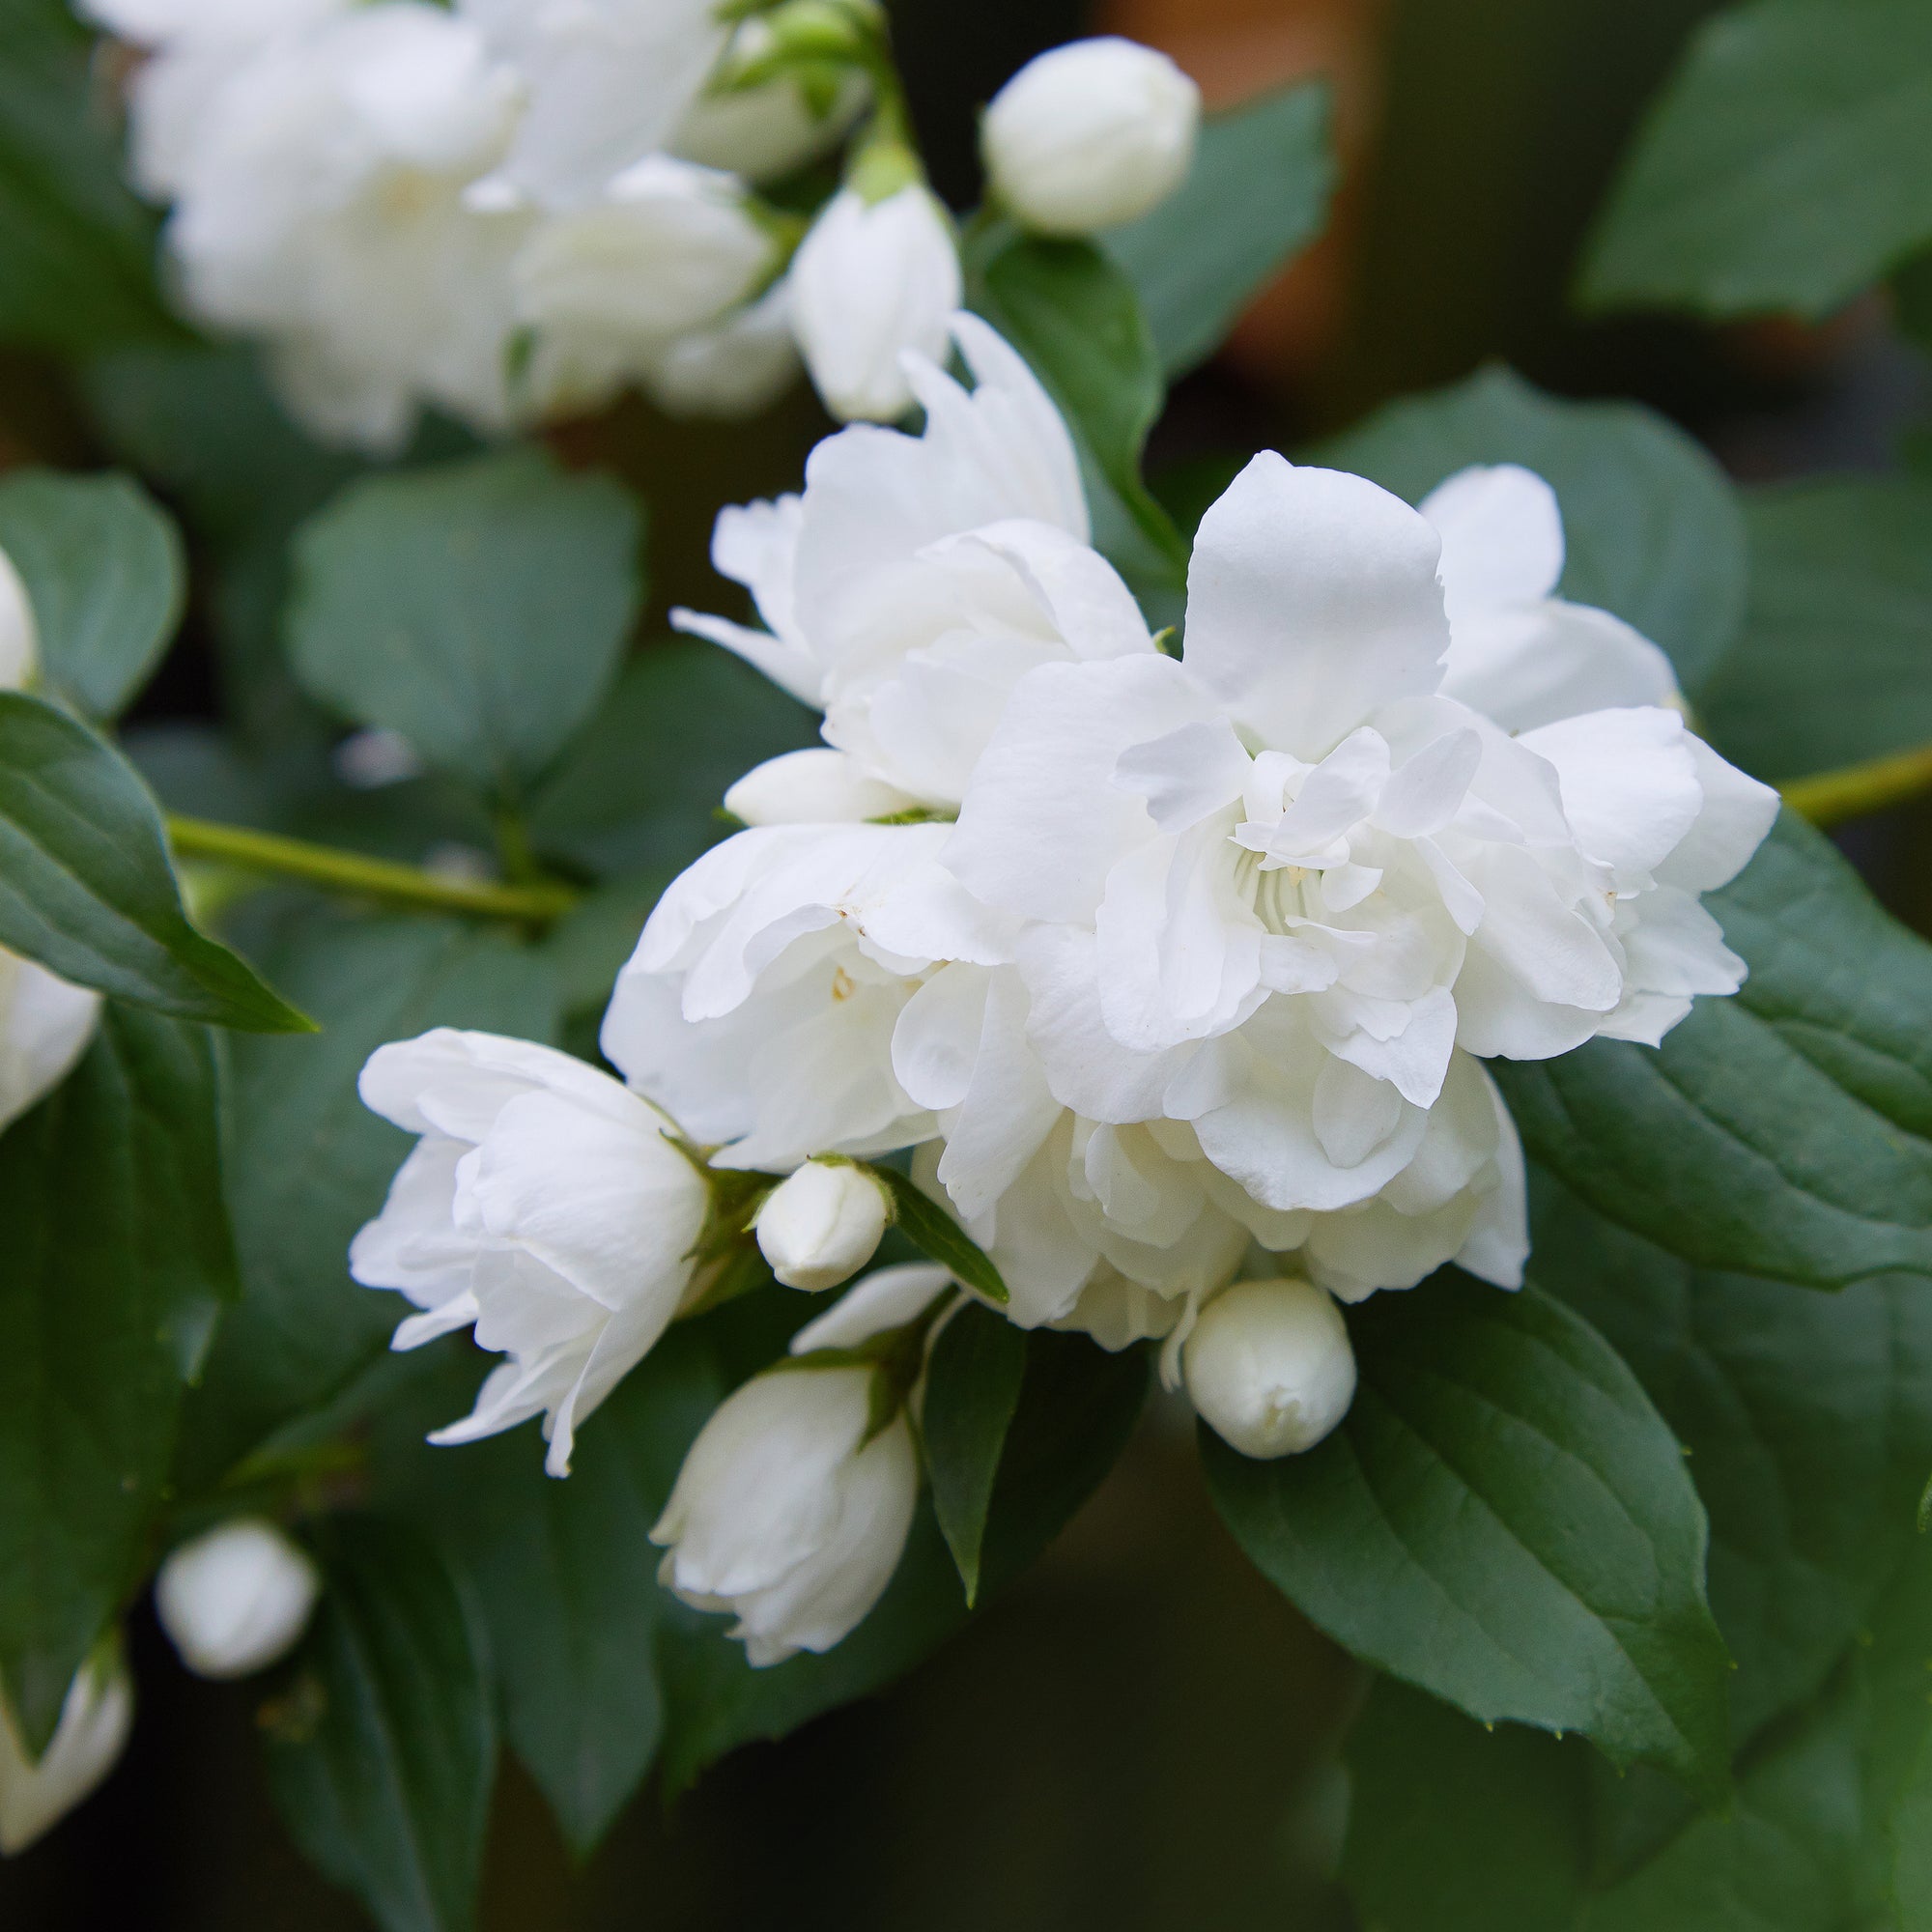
column 1269, row 1367
column 95, row 1721
column 791, row 1510
column 235, row 1599
column 820, row 1227
column 873, row 280
column 814, row 786
column 20, row 638
column 1090, row 137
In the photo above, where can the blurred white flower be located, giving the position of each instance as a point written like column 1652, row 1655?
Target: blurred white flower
column 872, row 281
column 790, row 1512
column 822, row 1224
column 766, row 131
column 322, row 207
column 544, row 1204
column 95, row 1723
column 1090, row 135
column 730, row 368
column 235, row 1598
column 1269, row 1367
column 46, row 1025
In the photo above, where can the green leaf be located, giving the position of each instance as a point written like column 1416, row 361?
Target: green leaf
column 1786, row 1131
column 1808, row 1424
column 87, row 887
column 972, row 1390
column 105, row 576
column 1652, row 529
column 118, row 1252
column 1257, row 196
column 1830, row 669
column 937, row 1235
column 76, row 248
column 1075, row 316
column 1503, row 1520
column 479, row 608
column 310, row 1163
column 381, row 1744
column 1785, row 166
column 639, row 790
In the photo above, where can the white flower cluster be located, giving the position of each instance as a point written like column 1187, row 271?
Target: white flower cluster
column 510, row 209
column 1175, row 972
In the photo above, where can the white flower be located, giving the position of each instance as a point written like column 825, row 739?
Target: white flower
column 46, row 1025
column 919, row 577
column 1269, row 1367
column 1090, row 135
column 322, row 207
column 1518, row 653
column 730, row 368
column 19, row 634
column 790, row 1513
column 766, row 131
column 822, row 1224
column 93, row 1731
column 544, row 1204
column 235, row 1598
column 760, row 1004
column 604, row 82
column 872, row 281
column 1273, row 890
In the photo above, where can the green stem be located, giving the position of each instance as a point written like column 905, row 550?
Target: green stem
column 353, row 873
column 1828, row 798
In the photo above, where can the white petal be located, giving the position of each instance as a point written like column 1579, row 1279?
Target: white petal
column 1737, row 814
column 885, row 1299
column 1532, row 665
column 1502, row 538
column 1630, row 784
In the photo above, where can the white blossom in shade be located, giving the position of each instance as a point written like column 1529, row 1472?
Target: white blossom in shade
column 95, row 1723
column 730, row 368
column 822, row 1224
column 760, row 1004
column 790, row 1513
column 605, row 83
column 886, row 1298
column 766, row 131
column 197, row 48
column 545, row 1204
column 1090, row 135
column 1273, row 890
column 46, row 1025
column 919, row 577
column 235, row 1598
column 1518, row 653
column 322, row 208
column 668, row 248
column 19, row 634
column 1269, row 1367
column 872, row 282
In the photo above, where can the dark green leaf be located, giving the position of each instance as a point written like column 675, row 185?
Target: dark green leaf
column 1809, row 1420
column 1785, row 167
column 1830, row 666
column 381, row 1743
column 1257, row 194
column 639, row 791
column 1075, row 316
column 87, row 887
column 311, row 1163
column 104, row 574
column 972, row 1390
column 937, row 1235
column 1785, row 1132
column 1652, row 529
column 478, row 608
column 117, row 1252
column 76, row 248
column 1503, row 1520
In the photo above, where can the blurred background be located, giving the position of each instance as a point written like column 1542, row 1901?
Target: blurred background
column 1141, row 1734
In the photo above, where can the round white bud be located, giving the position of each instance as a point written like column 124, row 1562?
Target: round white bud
column 1090, row 137
column 820, row 1227
column 235, row 1599
column 1269, row 1367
